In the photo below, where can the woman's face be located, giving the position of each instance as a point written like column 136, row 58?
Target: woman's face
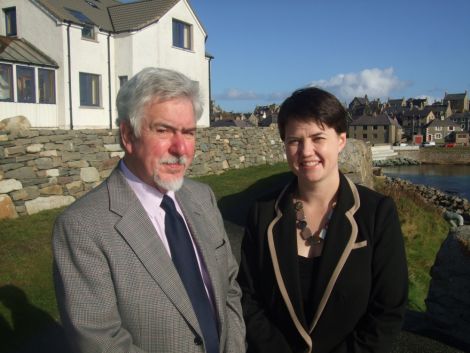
column 312, row 150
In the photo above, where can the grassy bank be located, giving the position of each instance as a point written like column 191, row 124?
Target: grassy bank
column 25, row 252
column 424, row 230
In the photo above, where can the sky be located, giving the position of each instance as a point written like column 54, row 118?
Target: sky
column 265, row 49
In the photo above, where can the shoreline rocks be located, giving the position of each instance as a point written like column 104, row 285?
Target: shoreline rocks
column 444, row 202
column 395, row 162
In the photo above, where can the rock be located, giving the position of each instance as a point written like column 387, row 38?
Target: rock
column 448, row 302
column 9, row 185
column 47, row 203
column 356, row 158
column 34, row 148
column 15, row 124
column 7, row 208
column 89, row 174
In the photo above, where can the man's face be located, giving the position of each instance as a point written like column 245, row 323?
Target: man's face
column 165, row 148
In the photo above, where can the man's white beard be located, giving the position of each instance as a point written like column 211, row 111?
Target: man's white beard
column 174, row 184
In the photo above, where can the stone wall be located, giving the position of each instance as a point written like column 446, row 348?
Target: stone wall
column 438, row 155
column 44, row 169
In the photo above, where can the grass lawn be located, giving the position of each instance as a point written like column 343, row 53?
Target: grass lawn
column 25, row 246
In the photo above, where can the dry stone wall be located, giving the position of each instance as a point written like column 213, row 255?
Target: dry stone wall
column 44, row 169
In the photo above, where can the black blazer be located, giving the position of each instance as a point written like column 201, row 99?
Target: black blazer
column 361, row 290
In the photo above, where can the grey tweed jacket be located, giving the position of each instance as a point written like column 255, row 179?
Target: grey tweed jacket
column 118, row 290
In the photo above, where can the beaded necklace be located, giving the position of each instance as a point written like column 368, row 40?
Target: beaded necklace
column 301, row 223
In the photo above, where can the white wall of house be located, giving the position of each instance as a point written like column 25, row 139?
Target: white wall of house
column 40, row 115
column 130, row 52
column 153, row 46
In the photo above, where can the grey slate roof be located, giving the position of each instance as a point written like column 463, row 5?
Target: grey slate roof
column 98, row 14
column 455, row 96
column 382, row 119
column 443, row 123
column 109, row 15
column 20, row 51
column 135, row 16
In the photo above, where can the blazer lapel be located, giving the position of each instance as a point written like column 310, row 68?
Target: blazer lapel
column 138, row 231
column 201, row 229
column 340, row 238
column 283, row 249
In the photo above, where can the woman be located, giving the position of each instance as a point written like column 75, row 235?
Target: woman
column 323, row 265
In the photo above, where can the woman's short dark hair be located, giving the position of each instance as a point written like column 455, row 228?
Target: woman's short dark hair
column 315, row 105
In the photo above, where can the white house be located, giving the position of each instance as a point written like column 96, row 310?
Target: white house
column 62, row 61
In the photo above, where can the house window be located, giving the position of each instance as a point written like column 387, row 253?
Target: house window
column 6, row 83
column 451, row 128
column 364, row 127
column 46, row 87
column 438, row 136
column 88, row 32
column 182, row 37
column 376, row 136
column 122, row 80
column 25, row 84
column 364, row 136
column 89, row 89
column 10, row 21
column 438, row 128
column 375, row 127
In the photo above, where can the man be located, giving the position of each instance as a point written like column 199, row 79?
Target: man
column 142, row 263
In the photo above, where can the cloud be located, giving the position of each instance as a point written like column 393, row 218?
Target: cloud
column 235, row 94
column 376, row 83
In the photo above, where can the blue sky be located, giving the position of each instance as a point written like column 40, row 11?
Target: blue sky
column 265, row 49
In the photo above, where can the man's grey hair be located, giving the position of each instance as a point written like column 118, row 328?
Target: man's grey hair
column 154, row 83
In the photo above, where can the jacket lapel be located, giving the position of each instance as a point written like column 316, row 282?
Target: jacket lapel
column 283, row 249
column 201, row 230
column 340, row 238
column 138, row 231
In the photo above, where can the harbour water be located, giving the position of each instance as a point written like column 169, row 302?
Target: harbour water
column 453, row 179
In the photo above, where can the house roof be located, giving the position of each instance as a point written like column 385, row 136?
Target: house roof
column 17, row 50
column 137, row 15
column 109, row 15
column 381, row 119
column 81, row 12
column 445, row 122
column 455, row 96
column 231, row 122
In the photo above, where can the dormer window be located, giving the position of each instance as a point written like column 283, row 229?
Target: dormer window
column 88, row 30
column 182, row 36
column 10, row 21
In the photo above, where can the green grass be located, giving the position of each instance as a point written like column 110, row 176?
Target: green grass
column 25, row 243
column 424, row 231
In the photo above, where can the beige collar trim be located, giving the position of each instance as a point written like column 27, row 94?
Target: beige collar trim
column 277, row 271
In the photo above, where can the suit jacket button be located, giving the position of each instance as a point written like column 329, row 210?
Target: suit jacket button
column 197, row 341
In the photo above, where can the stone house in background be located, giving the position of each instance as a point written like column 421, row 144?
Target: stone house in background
column 440, row 110
column 62, row 62
column 414, row 121
column 459, row 101
column 442, row 131
column 463, row 119
column 377, row 129
column 396, row 103
column 363, row 106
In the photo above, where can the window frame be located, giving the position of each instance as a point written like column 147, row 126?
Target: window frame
column 91, row 98
column 11, row 28
column 88, row 32
column 47, row 92
column 21, row 92
column 182, row 35
column 122, row 80
column 9, row 81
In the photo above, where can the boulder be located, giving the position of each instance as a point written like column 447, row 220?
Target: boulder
column 14, row 124
column 7, row 208
column 356, row 162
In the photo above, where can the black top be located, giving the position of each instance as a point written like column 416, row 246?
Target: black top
column 308, row 272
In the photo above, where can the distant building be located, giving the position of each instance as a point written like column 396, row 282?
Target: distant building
column 396, row 103
column 458, row 101
column 414, row 121
column 442, row 131
column 376, row 129
column 462, row 119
